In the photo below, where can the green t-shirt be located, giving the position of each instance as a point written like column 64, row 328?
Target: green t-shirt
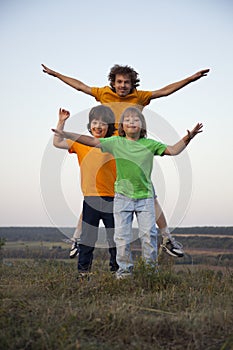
column 134, row 163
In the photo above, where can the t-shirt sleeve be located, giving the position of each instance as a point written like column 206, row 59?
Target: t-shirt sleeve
column 97, row 93
column 106, row 144
column 144, row 97
column 70, row 144
column 159, row 148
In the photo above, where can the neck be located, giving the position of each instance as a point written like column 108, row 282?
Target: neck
column 133, row 137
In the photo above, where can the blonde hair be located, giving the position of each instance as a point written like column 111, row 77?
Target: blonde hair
column 138, row 113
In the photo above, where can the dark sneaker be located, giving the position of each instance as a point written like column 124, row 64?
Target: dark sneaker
column 172, row 247
column 74, row 250
column 114, row 268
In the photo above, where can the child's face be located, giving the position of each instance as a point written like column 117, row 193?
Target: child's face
column 98, row 128
column 132, row 124
column 122, row 85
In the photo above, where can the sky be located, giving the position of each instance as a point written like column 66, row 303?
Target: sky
column 164, row 41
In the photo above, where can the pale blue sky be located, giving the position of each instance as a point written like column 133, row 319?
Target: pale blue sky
column 164, row 41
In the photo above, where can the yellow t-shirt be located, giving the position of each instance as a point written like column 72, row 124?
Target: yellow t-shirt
column 106, row 96
column 97, row 170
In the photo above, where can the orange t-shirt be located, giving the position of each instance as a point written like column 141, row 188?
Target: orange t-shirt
column 97, row 170
column 106, row 96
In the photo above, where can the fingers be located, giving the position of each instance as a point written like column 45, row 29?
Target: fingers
column 197, row 129
column 204, row 72
column 64, row 111
column 45, row 69
column 56, row 132
column 199, row 126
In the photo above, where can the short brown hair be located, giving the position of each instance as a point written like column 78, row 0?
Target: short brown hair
column 132, row 110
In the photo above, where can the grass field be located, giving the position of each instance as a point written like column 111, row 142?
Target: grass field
column 44, row 306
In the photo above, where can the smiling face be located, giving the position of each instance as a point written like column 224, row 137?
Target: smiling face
column 122, row 85
column 98, row 128
column 132, row 125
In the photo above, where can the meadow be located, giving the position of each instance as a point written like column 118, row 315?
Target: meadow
column 45, row 307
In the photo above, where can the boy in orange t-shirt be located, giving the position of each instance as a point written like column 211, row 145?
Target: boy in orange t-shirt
column 95, row 168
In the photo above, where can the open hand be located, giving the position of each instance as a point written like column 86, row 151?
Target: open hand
column 196, row 130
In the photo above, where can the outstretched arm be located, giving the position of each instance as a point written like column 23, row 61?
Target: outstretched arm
column 169, row 89
column 84, row 139
column 74, row 83
column 58, row 140
column 182, row 144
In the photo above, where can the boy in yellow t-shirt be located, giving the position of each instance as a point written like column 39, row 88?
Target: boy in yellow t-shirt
column 121, row 94
column 95, row 168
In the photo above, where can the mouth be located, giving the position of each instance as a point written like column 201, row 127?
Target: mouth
column 132, row 127
column 97, row 132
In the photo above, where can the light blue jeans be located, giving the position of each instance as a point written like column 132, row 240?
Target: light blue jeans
column 124, row 209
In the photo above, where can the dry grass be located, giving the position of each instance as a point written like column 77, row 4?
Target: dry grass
column 43, row 306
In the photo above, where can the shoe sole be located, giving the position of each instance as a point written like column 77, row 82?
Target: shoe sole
column 123, row 276
column 73, row 254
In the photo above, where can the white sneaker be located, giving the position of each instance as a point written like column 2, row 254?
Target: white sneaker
column 122, row 274
column 172, row 247
column 74, row 250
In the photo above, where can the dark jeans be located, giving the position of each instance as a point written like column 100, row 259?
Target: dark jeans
column 94, row 210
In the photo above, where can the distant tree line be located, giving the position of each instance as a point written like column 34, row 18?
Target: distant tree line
column 54, row 234
column 36, row 234
column 205, row 230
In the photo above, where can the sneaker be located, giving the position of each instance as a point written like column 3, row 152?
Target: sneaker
column 122, row 274
column 172, row 247
column 74, row 250
column 114, row 268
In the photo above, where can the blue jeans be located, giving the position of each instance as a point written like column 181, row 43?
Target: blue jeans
column 124, row 209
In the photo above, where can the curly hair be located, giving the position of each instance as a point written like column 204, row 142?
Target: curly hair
column 105, row 114
column 123, row 70
column 138, row 113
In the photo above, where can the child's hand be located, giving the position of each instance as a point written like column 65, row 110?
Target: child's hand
column 57, row 132
column 196, row 130
column 63, row 115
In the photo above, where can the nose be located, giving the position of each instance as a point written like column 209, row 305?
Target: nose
column 98, row 125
